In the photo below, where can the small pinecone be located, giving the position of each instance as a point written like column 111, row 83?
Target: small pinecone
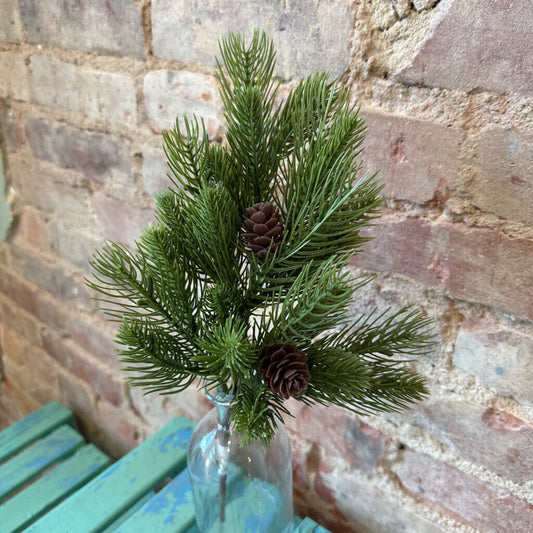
column 262, row 229
column 284, row 369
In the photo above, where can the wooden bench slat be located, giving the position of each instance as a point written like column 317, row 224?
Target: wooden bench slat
column 307, row 525
column 33, row 460
column 105, row 498
column 32, row 427
column 112, row 528
column 36, row 499
column 170, row 511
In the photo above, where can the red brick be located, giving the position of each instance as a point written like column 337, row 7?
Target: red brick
column 503, row 182
column 495, row 57
column 419, row 160
column 29, row 367
column 357, row 443
column 489, row 437
column 50, row 278
column 98, row 156
column 103, row 380
column 456, row 258
column 500, row 357
column 32, row 299
column 491, row 509
column 96, row 340
column 122, row 222
column 33, row 230
column 117, row 431
column 76, row 394
column 15, row 318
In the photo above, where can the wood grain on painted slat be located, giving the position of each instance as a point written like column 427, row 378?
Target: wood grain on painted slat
column 105, row 498
column 170, row 511
column 36, row 499
column 33, row 460
column 34, row 426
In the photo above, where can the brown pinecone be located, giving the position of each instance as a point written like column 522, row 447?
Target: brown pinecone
column 284, row 368
column 262, row 229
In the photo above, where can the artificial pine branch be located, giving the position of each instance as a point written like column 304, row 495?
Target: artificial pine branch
column 201, row 298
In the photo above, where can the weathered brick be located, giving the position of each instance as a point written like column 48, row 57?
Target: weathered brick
column 117, row 431
column 471, row 501
column 10, row 126
column 15, row 318
column 10, row 25
column 97, row 155
column 309, row 35
column 15, row 403
column 32, row 299
column 96, row 340
column 76, row 394
column 13, row 77
column 169, row 94
column 102, row 379
column 95, row 25
column 33, row 230
column 98, row 95
column 489, row 437
column 122, row 222
column 418, row 159
column 50, row 278
column 503, row 182
column 155, row 170
column 51, row 191
column 500, row 358
column 455, row 257
column 74, row 246
column 342, row 499
column 360, row 445
column 31, row 368
column 496, row 57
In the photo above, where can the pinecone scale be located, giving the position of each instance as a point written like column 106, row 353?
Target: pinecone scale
column 284, row 368
column 262, row 229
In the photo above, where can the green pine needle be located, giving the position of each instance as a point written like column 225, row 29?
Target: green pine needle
column 192, row 303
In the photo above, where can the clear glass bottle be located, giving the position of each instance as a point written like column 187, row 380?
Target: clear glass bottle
column 239, row 489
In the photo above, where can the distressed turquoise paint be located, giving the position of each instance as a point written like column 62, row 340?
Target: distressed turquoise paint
column 36, row 499
column 169, row 511
column 5, row 214
column 32, row 461
column 307, row 525
column 107, row 497
column 112, row 528
column 34, row 426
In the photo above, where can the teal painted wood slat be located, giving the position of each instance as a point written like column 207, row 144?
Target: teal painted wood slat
column 105, row 498
column 33, row 460
column 307, row 525
column 112, row 528
column 34, row 426
column 28, row 505
column 169, row 511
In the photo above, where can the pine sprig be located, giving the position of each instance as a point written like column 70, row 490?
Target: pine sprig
column 194, row 304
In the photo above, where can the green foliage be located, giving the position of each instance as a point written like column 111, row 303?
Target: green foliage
column 193, row 304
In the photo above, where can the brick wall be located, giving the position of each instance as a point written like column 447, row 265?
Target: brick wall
column 86, row 88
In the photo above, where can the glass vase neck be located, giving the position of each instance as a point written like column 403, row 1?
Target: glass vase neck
column 223, row 405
